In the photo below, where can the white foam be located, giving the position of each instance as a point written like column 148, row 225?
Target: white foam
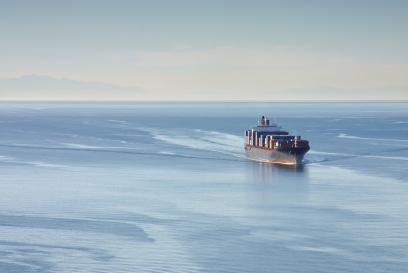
column 367, row 138
column 118, row 121
column 82, row 146
column 35, row 163
column 199, row 139
column 60, row 134
column 352, row 155
column 5, row 158
column 94, row 138
column 399, row 122
column 128, row 135
column 327, row 153
column 45, row 164
column 167, row 153
column 23, row 145
column 323, row 249
column 387, row 157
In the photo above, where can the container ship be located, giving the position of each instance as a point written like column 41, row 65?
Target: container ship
column 267, row 142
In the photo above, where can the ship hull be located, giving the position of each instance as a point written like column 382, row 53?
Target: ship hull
column 292, row 155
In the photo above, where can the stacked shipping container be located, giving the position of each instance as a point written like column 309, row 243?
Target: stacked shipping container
column 270, row 140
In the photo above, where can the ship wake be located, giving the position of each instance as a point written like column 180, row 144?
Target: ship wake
column 200, row 139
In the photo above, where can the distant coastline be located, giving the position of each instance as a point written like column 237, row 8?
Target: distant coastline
column 45, row 88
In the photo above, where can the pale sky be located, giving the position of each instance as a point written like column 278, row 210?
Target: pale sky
column 209, row 49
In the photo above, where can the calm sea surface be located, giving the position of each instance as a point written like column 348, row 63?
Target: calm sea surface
column 166, row 187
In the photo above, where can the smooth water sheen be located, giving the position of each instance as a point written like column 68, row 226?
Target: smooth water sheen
column 166, row 187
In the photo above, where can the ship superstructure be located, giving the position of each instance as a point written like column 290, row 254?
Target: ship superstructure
column 267, row 142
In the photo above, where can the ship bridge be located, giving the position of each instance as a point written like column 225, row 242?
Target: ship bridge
column 264, row 126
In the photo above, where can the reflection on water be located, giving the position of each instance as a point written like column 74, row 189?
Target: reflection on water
column 277, row 184
column 272, row 173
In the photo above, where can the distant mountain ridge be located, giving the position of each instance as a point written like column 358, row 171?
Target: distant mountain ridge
column 34, row 87
column 331, row 93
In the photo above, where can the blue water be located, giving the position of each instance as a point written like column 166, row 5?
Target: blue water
column 166, row 187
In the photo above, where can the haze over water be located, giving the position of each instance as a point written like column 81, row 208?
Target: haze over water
column 166, row 187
